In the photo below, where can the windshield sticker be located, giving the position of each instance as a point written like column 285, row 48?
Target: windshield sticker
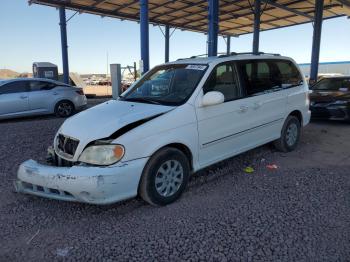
column 196, row 67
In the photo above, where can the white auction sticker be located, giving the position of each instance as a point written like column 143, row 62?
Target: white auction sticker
column 196, row 67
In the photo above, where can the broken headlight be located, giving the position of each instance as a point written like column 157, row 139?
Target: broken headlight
column 102, row 155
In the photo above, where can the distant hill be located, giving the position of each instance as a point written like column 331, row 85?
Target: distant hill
column 7, row 73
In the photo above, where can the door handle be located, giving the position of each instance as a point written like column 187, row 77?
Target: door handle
column 23, row 97
column 55, row 93
column 243, row 109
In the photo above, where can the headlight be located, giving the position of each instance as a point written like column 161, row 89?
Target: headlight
column 102, row 155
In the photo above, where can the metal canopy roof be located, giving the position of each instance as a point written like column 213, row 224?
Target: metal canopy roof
column 236, row 16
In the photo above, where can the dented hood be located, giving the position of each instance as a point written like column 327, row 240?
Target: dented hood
column 103, row 120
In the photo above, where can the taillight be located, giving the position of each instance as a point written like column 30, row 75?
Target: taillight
column 80, row 92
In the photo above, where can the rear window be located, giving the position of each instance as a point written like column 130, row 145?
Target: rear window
column 261, row 76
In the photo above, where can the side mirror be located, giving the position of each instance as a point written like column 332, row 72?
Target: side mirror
column 213, row 98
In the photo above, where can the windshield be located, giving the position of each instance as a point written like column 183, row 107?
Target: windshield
column 166, row 85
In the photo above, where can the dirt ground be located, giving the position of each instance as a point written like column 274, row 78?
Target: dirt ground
column 298, row 212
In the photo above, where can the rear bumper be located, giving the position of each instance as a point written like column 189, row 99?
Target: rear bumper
column 306, row 117
column 80, row 102
column 89, row 184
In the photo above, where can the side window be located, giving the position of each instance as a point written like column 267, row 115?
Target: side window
column 287, row 73
column 223, row 79
column 257, row 76
column 14, row 87
column 40, row 85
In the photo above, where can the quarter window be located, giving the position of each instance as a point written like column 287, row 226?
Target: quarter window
column 223, row 79
column 14, row 87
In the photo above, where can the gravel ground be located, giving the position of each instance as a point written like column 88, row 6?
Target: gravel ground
column 299, row 212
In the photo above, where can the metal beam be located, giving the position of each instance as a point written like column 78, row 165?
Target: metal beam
column 345, row 2
column 144, row 30
column 213, row 27
column 256, row 32
column 97, row 2
column 285, row 18
column 316, row 40
column 167, row 38
column 228, row 45
column 286, row 8
column 64, row 45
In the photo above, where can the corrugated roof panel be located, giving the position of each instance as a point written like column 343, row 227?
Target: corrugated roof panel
column 236, row 16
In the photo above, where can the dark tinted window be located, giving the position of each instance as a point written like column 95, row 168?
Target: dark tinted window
column 329, row 84
column 260, row 76
column 288, row 73
column 14, row 87
column 346, row 84
column 223, row 79
column 40, row 85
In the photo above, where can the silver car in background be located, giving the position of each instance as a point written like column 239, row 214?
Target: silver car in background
column 34, row 96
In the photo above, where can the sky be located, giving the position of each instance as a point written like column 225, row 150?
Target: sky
column 32, row 34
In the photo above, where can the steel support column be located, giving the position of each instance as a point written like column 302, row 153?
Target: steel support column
column 316, row 40
column 213, row 27
column 144, row 29
column 256, row 32
column 64, row 45
column 228, row 45
column 167, row 38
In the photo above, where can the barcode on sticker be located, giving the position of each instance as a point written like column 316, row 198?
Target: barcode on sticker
column 196, row 67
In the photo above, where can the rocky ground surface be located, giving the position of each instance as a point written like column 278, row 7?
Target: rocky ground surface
column 297, row 212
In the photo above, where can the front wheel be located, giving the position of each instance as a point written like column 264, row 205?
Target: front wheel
column 165, row 177
column 290, row 135
column 64, row 109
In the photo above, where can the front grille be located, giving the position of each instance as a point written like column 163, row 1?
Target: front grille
column 67, row 145
column 45, row 190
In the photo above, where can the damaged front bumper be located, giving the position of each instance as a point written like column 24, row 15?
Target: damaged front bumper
column 89, row 184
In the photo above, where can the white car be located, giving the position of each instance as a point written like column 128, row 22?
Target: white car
column 36, row 96
column 178, row 118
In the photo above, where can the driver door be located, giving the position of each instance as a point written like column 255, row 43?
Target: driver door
column 220, row 127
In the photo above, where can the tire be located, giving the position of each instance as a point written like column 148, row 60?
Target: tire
column 159, row 186
column 290, row 135
column 64, row 108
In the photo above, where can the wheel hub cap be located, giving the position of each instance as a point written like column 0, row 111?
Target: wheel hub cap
column 169, row 178
column 292, row 134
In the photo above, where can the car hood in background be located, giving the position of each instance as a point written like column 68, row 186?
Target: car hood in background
column 318, row 96
column 103, row 120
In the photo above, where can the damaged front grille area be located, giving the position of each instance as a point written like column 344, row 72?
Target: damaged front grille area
column 67, row 145
column 53, row 159
column 32, row 188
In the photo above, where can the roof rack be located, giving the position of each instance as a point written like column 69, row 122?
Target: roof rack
column 249, row 53
column 231, row 54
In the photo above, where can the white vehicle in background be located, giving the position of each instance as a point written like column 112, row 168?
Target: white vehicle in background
column 178, row 118
column 35, row 96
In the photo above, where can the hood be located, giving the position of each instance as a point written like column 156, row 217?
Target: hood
column 103, row 120
column 319, row 96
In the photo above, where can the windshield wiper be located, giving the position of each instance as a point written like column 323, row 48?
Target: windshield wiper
column 142, row 100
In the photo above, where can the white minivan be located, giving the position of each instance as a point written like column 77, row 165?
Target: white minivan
column 178, row 118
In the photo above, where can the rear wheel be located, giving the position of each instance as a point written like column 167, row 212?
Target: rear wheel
column 64, row 108
column 290, row 135
column 165, row 177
